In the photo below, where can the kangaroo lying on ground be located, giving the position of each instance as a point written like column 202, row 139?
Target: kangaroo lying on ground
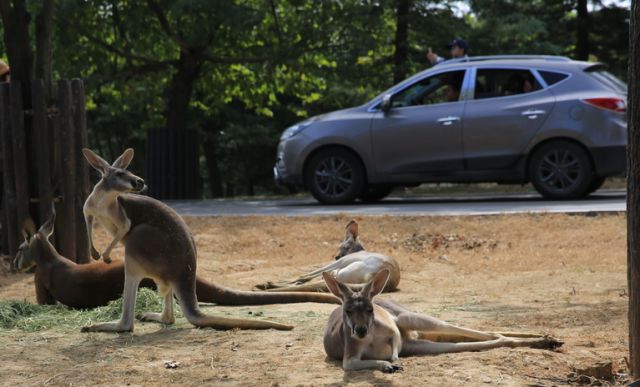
column 158, row 245
column 95, row 284
column 368, row 334
column 354, row 266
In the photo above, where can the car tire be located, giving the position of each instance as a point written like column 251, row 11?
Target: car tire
column 596, row 184
column 561, row 170
column 335, row 176
column 375, row 192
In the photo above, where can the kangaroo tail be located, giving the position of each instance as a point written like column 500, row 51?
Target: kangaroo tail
column 208, row 292
column 186, row 295
column 305, row 277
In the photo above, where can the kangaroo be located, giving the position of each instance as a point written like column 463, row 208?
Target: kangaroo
column 158, row 245
column 96, row 283
column 354, row 266
column 373, row 334
column 102, row 206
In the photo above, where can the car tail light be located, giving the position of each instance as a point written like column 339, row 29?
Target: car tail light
column 614, row 104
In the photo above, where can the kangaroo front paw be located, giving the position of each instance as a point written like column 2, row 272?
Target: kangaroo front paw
column 106, row 259
column 94, row 253
column 392, row 368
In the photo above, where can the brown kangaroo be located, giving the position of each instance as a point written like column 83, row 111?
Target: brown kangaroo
column 354, row 266
column 158, row 245
column 368, row 334
column 95, row 284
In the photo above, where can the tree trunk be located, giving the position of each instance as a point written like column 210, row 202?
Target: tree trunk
column 213, row 169
column 582, row 31
column 16, row 38
column 44, row 33
column 633, row 191
column 401, row 54
column 180, row 90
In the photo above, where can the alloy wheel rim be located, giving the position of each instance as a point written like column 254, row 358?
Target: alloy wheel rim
column 560, row 170
column 333, row 176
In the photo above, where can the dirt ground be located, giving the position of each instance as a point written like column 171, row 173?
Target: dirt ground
column 557, row 274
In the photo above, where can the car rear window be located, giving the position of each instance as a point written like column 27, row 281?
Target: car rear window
column 607, row 79
column 551, row 77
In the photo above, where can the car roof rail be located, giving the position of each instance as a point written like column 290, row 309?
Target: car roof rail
column 517, row 57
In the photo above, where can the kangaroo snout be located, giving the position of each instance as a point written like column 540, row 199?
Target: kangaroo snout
column 361, row 332
column 139, row 185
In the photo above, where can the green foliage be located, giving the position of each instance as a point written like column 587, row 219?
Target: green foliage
column 262, row 65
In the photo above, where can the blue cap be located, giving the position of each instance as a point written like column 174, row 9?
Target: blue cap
column 460, row 43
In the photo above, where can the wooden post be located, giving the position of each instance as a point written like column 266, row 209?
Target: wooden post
column 9, row 200
column 83, row 185
column 20, row 166
column 633, row 191
column 42, row 145
column 67, row 213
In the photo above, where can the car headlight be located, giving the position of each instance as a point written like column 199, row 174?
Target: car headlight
column 293, row 130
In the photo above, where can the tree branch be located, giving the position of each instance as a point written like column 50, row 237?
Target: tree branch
column 164, row 23
column 111, row 48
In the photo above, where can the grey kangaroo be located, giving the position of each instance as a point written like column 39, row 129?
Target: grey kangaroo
column 158, row 245
column 353, row 266
column 368, row 334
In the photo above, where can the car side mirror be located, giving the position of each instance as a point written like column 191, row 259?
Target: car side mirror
column 385, row 106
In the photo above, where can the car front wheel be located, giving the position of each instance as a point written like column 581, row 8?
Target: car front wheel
column 561, row 170
column 375, row 193
column 335, row 176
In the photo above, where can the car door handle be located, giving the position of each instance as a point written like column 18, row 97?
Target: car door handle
column 532, row 114
column 446, row 121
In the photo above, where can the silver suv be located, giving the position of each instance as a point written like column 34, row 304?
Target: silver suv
column 553, row 121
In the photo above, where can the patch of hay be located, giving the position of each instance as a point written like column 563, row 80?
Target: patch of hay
column 28, row 317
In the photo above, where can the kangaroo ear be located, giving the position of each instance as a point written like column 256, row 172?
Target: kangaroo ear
column 351, row 230
column 124, row 160
column 47, row 228
column 377, row 284
column 96, row 161
column 28, row 229
column 338, row 289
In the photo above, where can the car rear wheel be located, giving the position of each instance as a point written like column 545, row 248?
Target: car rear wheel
column 375, row 193
column 335, row 176
column 561, row 170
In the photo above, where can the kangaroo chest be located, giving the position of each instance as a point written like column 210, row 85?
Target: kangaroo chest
column 379, row 345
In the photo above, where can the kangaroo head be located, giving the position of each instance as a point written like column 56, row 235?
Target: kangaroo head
column 357, row 307
column 36, row 245
column 351, row 243
column 115, row 177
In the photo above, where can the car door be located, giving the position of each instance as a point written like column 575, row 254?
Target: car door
column 508, row 107
column 421, row 132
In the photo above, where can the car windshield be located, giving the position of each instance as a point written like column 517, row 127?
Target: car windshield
column 608, row 79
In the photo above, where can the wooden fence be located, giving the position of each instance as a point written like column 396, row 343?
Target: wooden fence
column 42, row 162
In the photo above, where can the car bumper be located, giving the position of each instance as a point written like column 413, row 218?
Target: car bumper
column 609, row 160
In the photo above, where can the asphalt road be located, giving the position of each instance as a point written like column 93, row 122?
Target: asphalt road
column 601, row 201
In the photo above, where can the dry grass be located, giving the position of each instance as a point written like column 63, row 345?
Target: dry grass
column 558, row 274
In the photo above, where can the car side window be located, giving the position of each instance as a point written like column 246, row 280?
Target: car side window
column 492, row 83
column 440, row 88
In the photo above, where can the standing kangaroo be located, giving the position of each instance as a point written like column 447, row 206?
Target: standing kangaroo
column 96, row 283
column 368, row 334
column 158, row 245
column 354, row 266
